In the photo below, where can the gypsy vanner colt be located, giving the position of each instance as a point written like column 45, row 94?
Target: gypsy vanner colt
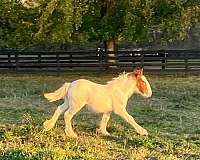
column 111, row 97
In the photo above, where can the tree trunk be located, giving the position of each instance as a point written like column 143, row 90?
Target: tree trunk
column 111, row 52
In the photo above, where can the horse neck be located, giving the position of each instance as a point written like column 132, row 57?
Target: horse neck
column 125, row 86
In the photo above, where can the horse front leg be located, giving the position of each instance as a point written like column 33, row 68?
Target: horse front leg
column 49, row 124
column 124, row 114
column 103, row 124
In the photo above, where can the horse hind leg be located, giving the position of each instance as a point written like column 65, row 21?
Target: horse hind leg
column 68, row 115
column 49, row 124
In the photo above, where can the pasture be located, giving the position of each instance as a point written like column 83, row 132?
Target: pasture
column 171, row 116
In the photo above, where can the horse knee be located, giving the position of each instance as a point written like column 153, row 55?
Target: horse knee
column 66, row 114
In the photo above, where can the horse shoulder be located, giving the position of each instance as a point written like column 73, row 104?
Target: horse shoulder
column 119, row 100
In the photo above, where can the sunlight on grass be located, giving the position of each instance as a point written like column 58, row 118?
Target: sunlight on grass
column 171, row 116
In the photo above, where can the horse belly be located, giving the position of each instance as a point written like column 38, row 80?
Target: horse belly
column 100, row 102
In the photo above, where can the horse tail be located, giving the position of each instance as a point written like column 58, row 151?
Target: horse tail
column 57, row 94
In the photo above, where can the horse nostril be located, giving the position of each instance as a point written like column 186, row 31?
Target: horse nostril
column 148, row 95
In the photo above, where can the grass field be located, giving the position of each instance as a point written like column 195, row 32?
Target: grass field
column 171, row 116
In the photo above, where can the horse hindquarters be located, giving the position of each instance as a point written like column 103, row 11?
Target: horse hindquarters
column 76, row 101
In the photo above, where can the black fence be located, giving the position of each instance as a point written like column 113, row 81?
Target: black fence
column 157, row 60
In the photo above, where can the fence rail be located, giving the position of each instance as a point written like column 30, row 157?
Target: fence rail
column 157, row 60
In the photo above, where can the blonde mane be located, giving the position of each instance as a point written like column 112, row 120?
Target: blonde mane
column 117, row 79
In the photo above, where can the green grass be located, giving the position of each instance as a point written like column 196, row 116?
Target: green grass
column 171, row 116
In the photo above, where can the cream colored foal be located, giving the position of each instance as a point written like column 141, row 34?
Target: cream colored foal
column 105, row 99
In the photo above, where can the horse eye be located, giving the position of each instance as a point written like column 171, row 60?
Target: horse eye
column 143, row 82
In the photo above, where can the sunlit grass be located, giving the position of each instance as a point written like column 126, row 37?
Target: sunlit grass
column 171, row 116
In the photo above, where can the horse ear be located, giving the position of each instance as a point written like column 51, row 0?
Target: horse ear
column 142, row 71
column 138, row 73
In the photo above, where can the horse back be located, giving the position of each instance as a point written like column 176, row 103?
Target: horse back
column 96, row 96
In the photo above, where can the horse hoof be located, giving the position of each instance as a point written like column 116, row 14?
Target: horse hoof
column 105, row 133
column 47, row 125
column 143, row 132
column 71, row 135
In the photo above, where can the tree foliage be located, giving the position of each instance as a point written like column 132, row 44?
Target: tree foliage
column 17, row 24
column 61, row 21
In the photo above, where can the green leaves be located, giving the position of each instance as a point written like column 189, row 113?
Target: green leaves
column 17, row 24
column 160, row 20
column 60, row 20
column 63, row 21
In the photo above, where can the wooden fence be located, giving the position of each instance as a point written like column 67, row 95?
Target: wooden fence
column 157, row 60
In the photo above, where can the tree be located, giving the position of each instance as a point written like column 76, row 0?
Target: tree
column 17, row 24
column 112, row 21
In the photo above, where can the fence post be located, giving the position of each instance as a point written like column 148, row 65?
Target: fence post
column 58, row 63
column 100, row 55
column 186, row 63
column 16, row 61
column 39, row 57
column 132, row 54
column 70, row 59
column 163, row 53
column 142, row 59
column 9, row 60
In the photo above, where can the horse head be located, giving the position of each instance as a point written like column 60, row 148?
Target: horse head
column 142, row 85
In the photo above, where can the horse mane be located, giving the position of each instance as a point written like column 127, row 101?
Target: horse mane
column 117, row 79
